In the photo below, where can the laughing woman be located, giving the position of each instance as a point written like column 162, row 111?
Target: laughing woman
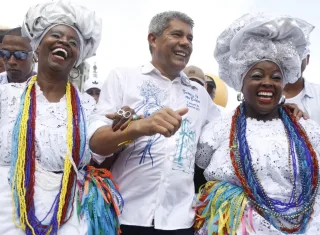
column 43, row 146
column 260, row 162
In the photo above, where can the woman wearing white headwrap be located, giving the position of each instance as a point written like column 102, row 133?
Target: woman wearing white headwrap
column 260, row 162
column 43, row 146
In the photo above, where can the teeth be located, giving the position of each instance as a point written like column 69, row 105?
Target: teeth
column 61, row 50
column 265, row 98
column 181, row 53
column 265, row 94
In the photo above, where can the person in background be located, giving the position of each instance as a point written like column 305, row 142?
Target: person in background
column 17, row 56
column 304, row 93
column 210, row 86
column 93, row 85
column 195, row 74
column 2, row 33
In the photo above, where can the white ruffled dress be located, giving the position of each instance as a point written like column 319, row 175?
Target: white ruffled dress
column 51, row 147
column 269, row 151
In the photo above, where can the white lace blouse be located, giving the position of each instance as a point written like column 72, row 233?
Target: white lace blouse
column 51, row 130
column 269, row 151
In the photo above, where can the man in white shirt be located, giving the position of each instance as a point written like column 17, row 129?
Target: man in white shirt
column 155, row 169
column 304, row 94
column 196, row 74
column 17, row 56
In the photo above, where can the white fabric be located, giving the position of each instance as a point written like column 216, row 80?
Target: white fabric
column 3, row 78
column 269, row 151
column 252, row 38
column 222, row 110
column 160, row 186
column 51, row 146
column 92, row 83
column 311, row 100
column 44, row 15
column 297, row 100
column 307, row 49
column 43, row 199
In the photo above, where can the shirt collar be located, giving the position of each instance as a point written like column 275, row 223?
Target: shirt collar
column 148, row 68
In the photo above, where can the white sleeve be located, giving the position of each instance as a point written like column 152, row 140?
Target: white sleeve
column 206, row 146
column 213, row 111
column 204, row 150
column 110, row 101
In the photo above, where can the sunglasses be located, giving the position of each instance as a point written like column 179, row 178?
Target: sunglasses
column 18, row 55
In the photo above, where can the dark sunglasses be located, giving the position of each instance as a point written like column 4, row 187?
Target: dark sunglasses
column 18, row 55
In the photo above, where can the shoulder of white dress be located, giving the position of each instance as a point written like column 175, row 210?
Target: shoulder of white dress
column 222, row 122
column 12, row 86
column 227, row 116
column 309, row 123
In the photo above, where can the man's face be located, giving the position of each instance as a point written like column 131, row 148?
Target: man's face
column 17, row 70
column 171, row 51
column 95, row 93
column 2, row 69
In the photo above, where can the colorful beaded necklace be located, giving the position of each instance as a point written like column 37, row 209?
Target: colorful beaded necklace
column 23, row 163
column 294, row 215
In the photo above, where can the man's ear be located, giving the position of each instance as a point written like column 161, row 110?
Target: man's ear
column 152, row 41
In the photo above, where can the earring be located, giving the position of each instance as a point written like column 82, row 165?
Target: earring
column 35, row 58
column 74, row 73
column 282, row 100
column 240, row 97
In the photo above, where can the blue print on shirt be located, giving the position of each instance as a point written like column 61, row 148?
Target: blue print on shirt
column 185, row 148
column 192, row 100
column 152, row 97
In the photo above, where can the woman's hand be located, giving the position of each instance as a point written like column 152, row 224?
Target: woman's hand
column 298, row 113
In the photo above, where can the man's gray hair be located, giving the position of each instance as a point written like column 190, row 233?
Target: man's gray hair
column 161, row 21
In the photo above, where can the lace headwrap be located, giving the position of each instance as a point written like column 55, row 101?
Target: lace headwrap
column 253, row 38
column 42, row 17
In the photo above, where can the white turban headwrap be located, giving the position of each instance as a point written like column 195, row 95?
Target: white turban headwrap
column 253, row 38
column 42, row 17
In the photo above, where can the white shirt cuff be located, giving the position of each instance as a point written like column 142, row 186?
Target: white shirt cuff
column 91, row 130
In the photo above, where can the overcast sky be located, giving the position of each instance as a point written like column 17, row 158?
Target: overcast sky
column 125, row 27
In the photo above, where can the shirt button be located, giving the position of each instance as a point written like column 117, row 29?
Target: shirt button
column 163, row 180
